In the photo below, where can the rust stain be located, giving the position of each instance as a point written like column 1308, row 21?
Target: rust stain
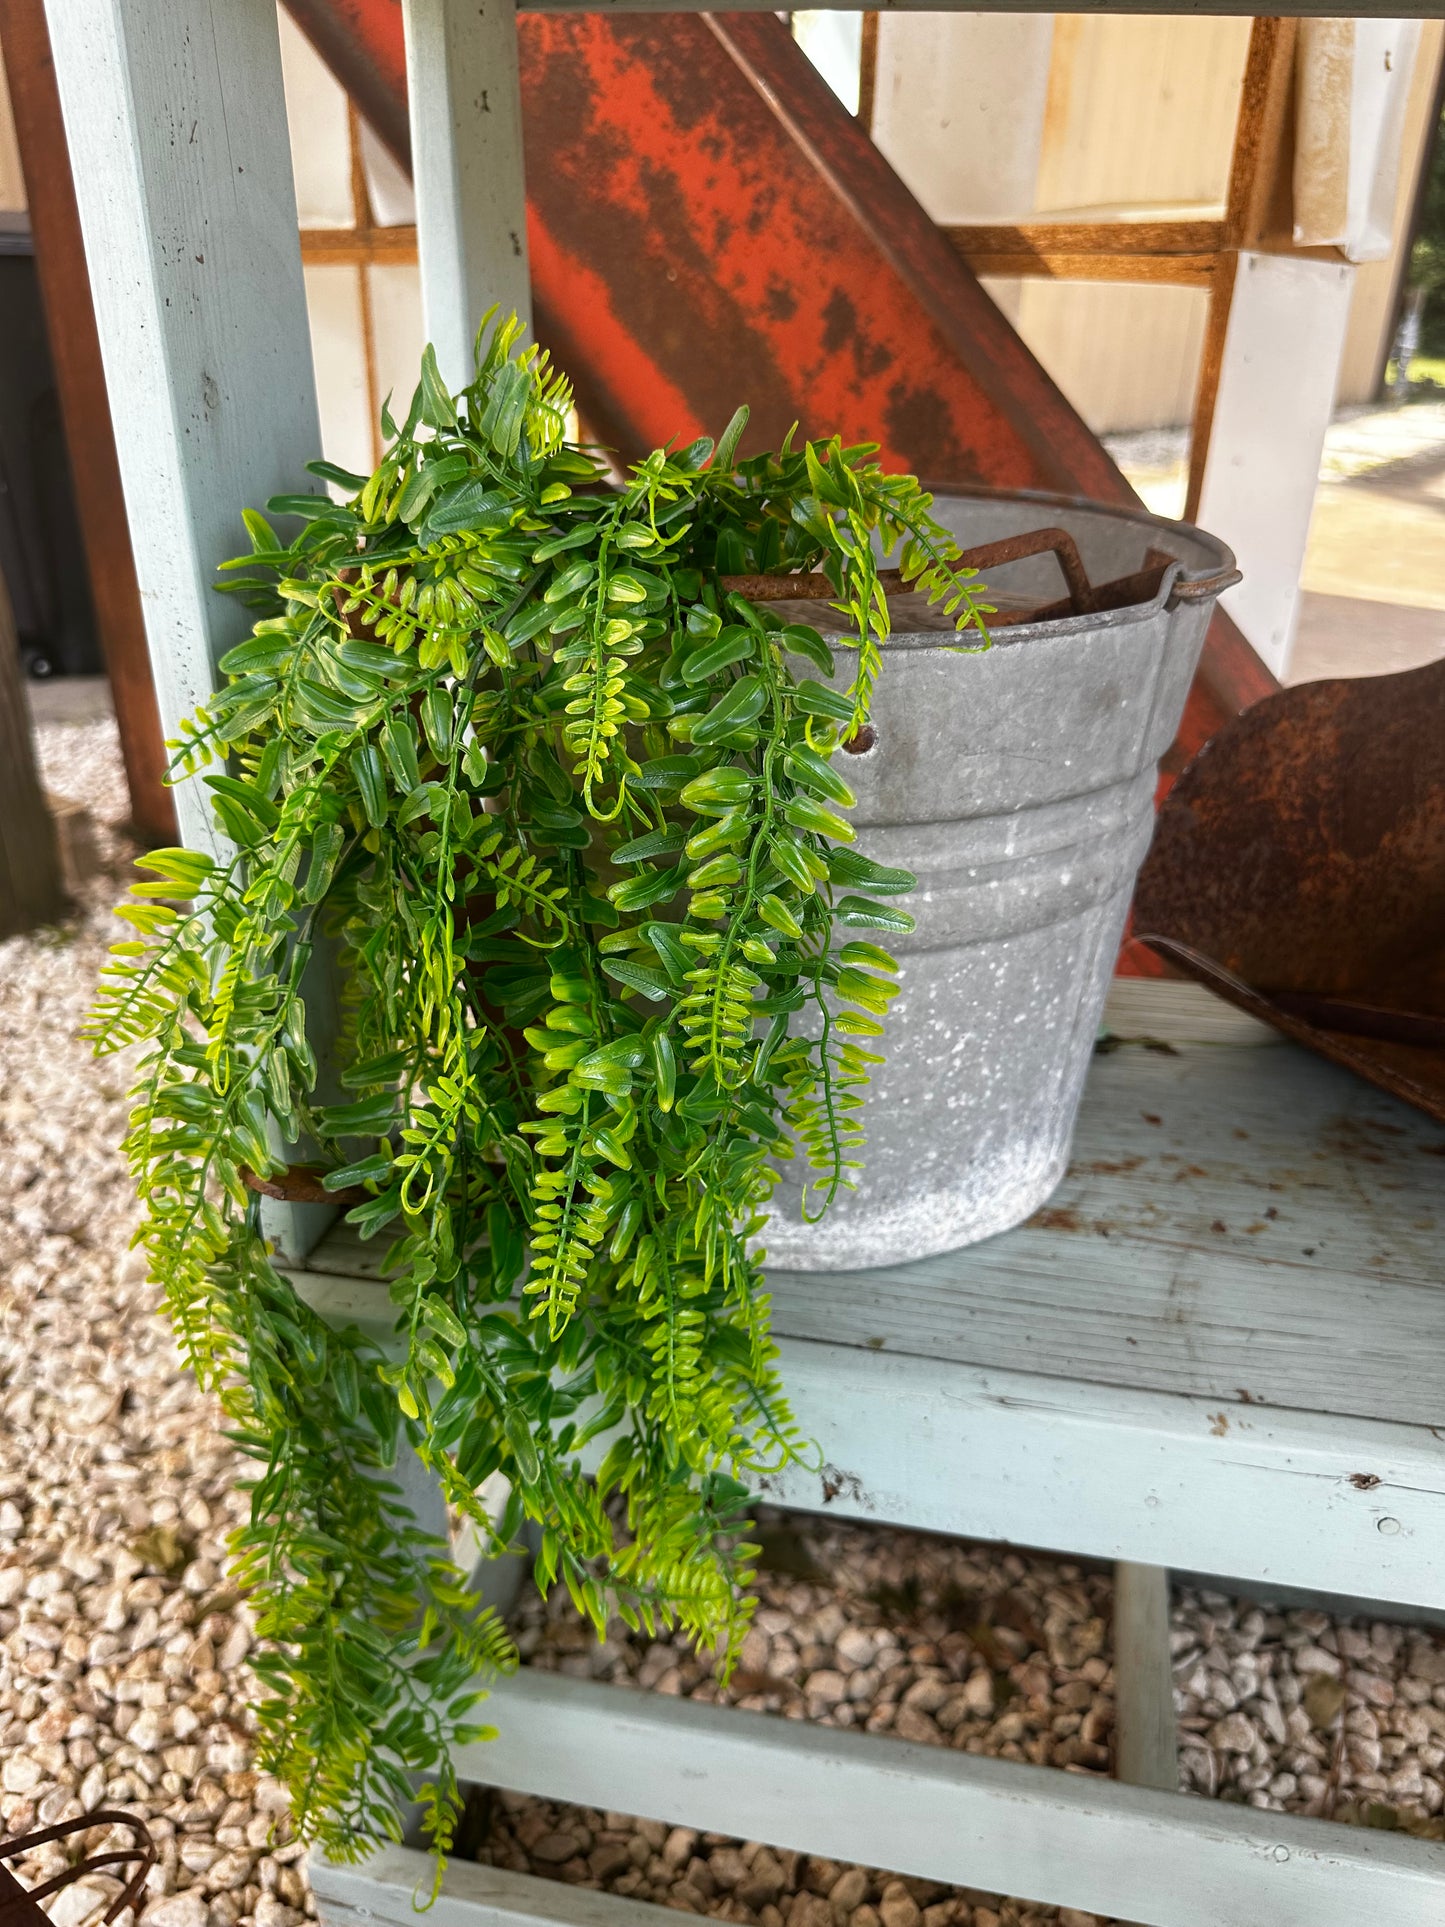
column 1219, row 1425
column 1057, row 1217
column 1299, row 870
column 1365, row 1481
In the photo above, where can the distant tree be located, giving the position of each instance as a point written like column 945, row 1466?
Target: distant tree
column 1427, row 258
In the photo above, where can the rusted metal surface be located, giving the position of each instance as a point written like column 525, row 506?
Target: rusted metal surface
column 362, row 43
column 85, row 409
column 706, row 215
column 1298, row 868
column 708, row 222
column 1083, row 598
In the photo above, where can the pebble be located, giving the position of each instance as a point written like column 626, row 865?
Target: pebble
column 188, row 1909
column 122, row 1656
column 122, row 1653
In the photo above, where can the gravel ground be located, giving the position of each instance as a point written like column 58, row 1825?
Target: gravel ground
column 122, row 1647
column 994, row 1652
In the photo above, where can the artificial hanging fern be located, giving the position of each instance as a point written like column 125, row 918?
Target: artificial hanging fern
column 566, row 818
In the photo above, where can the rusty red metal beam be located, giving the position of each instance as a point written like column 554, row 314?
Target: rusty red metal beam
column 708, row 224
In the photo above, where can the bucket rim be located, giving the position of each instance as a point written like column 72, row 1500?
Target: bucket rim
column 1222, row 569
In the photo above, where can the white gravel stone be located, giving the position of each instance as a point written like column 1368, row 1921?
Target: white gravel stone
column 188, row 1909
column 122, row 1656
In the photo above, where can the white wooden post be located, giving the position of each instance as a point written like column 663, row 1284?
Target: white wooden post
column 1277, row 384
column 466, row 147
column 176, row 123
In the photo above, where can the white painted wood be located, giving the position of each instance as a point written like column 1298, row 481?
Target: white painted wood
column 1146, row 1729
column 466, row 143
column 959, row 109
column 176, row 122
column 1042, row 1835
column 1238, row 1224
column 1259, row 1494
column 1339, row 1505
column 387, row 1887
column 1352, row 89
column 1173, row 1012
column 175, row 116
column 1277, row 383
column 1168, row 1393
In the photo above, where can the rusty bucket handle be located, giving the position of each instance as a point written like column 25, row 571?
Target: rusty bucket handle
column 1202, row 588
column 20, row 1906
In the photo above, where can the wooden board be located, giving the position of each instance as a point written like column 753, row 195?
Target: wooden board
column 1252, row 1226
column 1238, row 1224
column 176, row 123
column 1030, row 1831
column 466, row 145
column 175, row 118
column 1262, row 1496
column 1122, row 1379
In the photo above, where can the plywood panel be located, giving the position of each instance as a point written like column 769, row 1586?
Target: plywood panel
column 396, row 318
column 333, row 307
column 1126, row 357
column 959, row 109
column 316, row 121
column 1140, row 110
column 12, row 181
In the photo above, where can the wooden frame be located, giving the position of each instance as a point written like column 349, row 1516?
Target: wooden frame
column 933, row 1418
column 1257, row 209
column 1183, row 252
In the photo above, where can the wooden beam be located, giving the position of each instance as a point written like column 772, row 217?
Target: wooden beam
column 466, row 146
column 177, row 129
column 85, row 410
column 31, row 891
column 944, row 1814
column 1182, row 253
column 1110, row 1472
column 1177, row 270
column 1090, row 237
column 176, row 120
column 1257, row 208
column 395, row 246
column 868, row 71
column 1146, row 1728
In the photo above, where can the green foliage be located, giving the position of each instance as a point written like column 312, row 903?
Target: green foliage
column 568, row 823
column 1426, row 267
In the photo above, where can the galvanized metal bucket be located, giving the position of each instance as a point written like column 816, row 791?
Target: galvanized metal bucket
column 1018, row 785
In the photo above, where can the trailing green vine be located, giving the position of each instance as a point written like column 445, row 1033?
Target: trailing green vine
column 565, row 817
